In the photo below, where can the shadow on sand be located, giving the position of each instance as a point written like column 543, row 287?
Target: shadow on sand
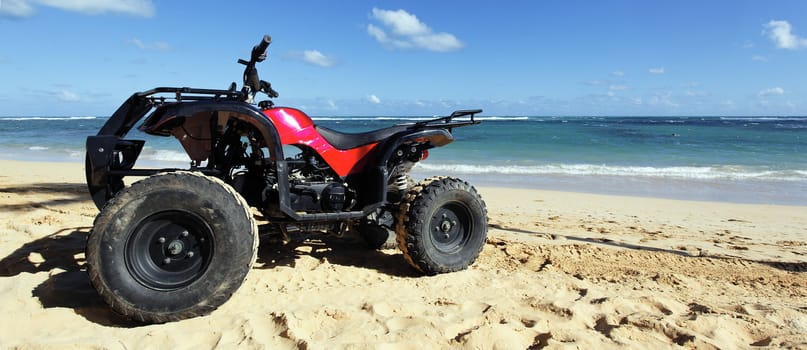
column 60, row 194
column 781, row 265
column 61, row 256
column 345, row 251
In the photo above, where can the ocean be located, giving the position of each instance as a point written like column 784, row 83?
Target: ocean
column 733, row 159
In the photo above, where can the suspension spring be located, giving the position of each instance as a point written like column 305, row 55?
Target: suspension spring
column 401, row 182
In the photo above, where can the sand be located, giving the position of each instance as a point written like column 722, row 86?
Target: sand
column 559, row 270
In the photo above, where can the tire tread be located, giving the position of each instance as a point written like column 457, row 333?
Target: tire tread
column 175, row 179
column 414, row 208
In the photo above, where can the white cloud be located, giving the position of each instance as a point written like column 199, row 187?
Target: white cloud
column 781, row 33
column 612, row 88
column 408, row 32
column 663, row 99
column 401, row 22
column 155, row 46
column 313, row 57
column 373, row 99
column 759, row 58
column 317, row 58
column 659, row 70
column 16, row 8
column 26, row 8
column 771, row 92
column 440, row 42
column 377, row 33
column 67, row 96
column 382, row 37
column 618, row 73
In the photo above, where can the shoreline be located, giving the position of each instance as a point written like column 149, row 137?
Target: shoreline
column 788, row 193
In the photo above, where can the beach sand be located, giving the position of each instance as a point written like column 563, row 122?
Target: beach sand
column 559, row 270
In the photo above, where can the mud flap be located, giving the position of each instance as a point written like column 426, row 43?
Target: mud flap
column 106, row 153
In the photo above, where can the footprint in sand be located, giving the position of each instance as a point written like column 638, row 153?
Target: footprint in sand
column 381, row 309
column 553, row 309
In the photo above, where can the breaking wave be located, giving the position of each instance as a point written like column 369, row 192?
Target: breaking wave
column 46, row 118
column 410, row 119
column 679, row 172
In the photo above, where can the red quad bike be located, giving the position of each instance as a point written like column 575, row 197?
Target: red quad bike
column 178, row 243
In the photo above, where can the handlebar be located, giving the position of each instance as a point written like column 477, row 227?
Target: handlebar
column 259, row 51
column 251, row 80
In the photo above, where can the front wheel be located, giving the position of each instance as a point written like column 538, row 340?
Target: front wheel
column 172, row 246
column 442, row 225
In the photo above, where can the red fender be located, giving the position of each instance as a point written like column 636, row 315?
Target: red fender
column 297, row 128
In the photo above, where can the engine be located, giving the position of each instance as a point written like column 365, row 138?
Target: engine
column 319, row 197
column 313, row 186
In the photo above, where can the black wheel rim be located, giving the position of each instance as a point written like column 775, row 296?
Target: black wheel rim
column 169, row 250
column 451, row 227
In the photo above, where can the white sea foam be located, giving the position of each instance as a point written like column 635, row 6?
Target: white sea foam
column 503, row 118
column 165, row 156
column 681, row 172
column 38, row 148
column 763, row 119
column 411, row 119
column 45, row 118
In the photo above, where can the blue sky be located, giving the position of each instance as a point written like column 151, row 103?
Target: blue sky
column 84, row 57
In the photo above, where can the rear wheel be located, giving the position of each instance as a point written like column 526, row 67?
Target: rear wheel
column 442, row 225
column 172, row 246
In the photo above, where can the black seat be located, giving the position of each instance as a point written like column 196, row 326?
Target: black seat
column 345, row 141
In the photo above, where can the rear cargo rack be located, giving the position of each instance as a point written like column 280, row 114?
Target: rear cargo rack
column 449, row 122
column 190, row 94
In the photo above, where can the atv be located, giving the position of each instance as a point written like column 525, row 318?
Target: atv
column 179, row 242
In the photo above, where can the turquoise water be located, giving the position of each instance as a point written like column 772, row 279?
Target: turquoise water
column 757, row 160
